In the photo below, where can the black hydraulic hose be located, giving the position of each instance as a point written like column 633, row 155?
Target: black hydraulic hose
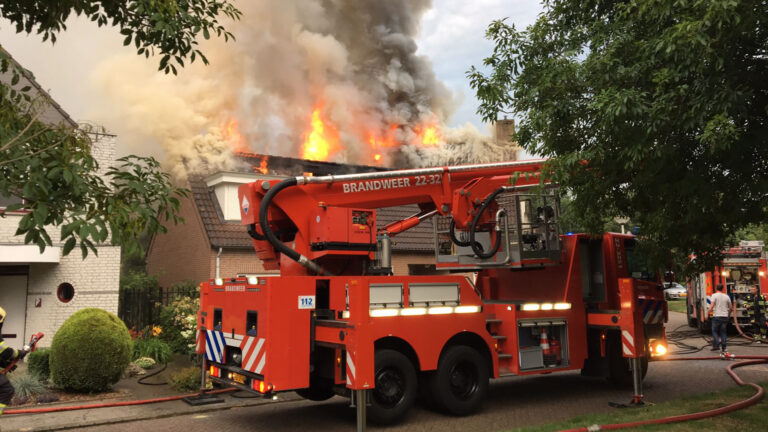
column 454, row 239
column 254, row 234
column 477, row 248
column 270, row 235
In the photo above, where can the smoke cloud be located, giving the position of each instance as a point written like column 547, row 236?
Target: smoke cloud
column 354, row 60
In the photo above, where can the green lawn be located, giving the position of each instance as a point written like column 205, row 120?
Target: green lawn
column 677, row 305
column 753, row 418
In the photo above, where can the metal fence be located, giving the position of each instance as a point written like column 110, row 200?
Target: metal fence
column 139, row 308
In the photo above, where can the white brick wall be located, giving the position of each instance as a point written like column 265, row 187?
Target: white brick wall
column 96, row 282
column 96, row 279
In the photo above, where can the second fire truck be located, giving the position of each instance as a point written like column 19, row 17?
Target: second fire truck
column 743, row 267
column 523, row 299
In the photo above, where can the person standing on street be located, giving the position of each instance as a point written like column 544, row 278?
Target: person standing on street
column 720, row 309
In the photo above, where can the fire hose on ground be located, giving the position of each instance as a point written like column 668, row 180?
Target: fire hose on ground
column 112, row 404
column 759, row 393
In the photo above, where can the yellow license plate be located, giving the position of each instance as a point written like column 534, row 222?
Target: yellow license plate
column 240, row 379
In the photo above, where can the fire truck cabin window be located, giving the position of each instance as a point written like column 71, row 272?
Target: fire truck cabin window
column 636, row 263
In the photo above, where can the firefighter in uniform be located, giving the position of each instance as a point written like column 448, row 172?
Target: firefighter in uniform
column 756, row 308
column 7, row 355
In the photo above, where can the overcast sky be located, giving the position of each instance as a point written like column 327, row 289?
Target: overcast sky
column 452, row 36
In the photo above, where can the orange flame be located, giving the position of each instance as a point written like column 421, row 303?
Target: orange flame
column 429, row 135
column 322, row 141
column 262, row 168
column 232, row 134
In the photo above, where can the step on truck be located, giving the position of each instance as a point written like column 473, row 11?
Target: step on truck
column 515, row 297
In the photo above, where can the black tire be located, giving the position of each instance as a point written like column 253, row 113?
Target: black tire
column 395, row 390
column 619, row 367
column 460, row 384
column 319, row 389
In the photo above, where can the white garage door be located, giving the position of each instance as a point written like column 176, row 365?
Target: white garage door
column 13, row 298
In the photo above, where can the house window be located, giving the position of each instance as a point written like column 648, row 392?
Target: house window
column 5, row 201
column 65, row 292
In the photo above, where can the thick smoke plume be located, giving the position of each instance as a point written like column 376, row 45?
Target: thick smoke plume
column 353, row 60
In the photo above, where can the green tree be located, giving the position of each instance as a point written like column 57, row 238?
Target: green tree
column 51, row 168
column 653, row 109
column 168, row 28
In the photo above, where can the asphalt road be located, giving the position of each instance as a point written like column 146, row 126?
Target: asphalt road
column 512, row 402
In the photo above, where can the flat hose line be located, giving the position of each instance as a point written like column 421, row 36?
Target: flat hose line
column 759, row 393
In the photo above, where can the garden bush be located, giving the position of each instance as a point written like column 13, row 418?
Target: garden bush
column 38, row 363
column 27, row 385
column 152, row 347
column 90, row 351
column 187, row 380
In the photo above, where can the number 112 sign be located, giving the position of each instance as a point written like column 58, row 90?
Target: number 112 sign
column 306, row 302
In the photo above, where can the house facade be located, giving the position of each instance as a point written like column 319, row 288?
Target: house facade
column 39, row 291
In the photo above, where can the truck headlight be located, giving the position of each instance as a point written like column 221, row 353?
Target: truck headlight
column 237, row 358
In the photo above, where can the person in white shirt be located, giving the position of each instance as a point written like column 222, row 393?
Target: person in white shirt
column 720, row 308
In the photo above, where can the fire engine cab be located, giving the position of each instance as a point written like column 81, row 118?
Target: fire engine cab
column 517, row 297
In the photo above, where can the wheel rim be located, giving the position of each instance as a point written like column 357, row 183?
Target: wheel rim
column 390, row 387
column 463, row 380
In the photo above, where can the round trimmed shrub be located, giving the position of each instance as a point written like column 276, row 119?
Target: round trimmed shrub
column 38, row 364
column 90, row 351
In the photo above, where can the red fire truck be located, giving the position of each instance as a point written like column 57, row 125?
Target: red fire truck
column 743, row 267
column 522, row 300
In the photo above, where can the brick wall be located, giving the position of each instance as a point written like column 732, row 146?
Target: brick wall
column 103, row 149
column 96, row 279
column 96, row 282
column 237, row 261
column 184, row 252
column 8, row 226
column 400, row 262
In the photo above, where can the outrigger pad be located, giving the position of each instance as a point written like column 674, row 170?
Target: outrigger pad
column 631, row 404
column 203, row 399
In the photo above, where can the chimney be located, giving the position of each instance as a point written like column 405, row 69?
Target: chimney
column 504, row 130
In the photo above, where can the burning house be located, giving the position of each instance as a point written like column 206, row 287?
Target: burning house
column 344, row 91
column 213, row 234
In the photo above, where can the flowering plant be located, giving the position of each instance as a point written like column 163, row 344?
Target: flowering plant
column 179, row 321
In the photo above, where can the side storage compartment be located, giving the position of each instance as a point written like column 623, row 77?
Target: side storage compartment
column 543, row 344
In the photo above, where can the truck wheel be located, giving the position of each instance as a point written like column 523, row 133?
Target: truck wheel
column 319, row 389
column 395, row 387
column 460, row 383
column 619, row 370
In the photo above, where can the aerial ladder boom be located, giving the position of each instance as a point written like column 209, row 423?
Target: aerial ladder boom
column 288, row 208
